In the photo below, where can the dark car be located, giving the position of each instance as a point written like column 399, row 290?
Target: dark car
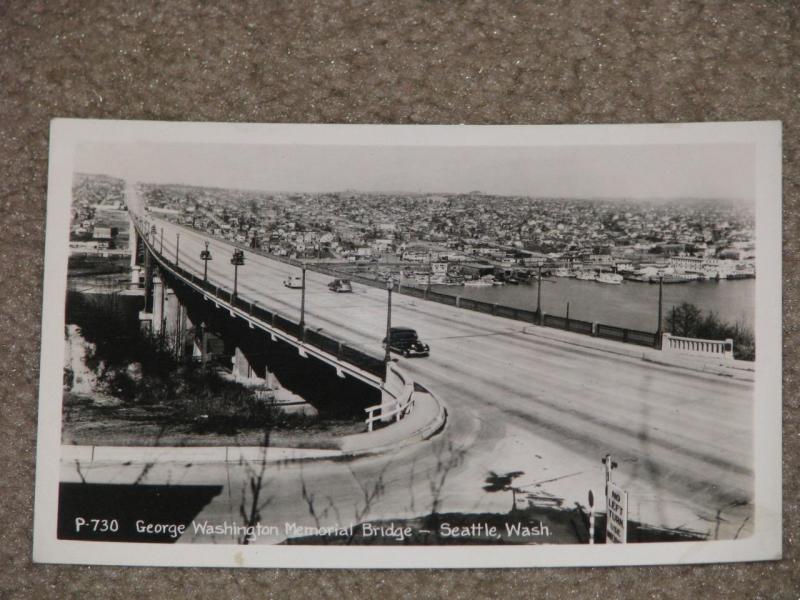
column 404, row 340
column 340, row 285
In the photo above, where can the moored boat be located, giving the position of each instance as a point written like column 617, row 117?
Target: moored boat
column 614, row 278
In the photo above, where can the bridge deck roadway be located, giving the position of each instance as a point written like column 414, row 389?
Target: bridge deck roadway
column 516, row 402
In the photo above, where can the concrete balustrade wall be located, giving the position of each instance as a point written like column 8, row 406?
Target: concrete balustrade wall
column 698, row 347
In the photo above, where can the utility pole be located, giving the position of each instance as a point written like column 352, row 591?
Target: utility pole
column 428, row 287
column 389, row 285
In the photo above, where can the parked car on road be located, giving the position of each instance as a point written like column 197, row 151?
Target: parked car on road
column 340, row 285
column 405, row 341
column 293, row 281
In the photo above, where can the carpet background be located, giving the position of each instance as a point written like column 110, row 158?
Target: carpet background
column 382, row 62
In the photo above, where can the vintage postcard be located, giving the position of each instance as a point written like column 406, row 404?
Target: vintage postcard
column 410, row 346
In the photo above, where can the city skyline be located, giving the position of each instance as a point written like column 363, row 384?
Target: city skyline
column 647, row 173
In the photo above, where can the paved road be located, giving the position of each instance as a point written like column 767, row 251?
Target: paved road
column 517, row 401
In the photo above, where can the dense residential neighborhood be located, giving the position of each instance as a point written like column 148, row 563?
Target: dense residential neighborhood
column 703, row 238
column 442, row 238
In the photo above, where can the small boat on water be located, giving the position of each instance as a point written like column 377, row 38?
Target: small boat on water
column 586, row 276
column 485, row 281
column 563, row 273
column 478, row 283
column 614, row 278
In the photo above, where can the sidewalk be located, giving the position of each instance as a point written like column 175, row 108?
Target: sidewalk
column 426, row 419
column 736, row 369
column 189, row 454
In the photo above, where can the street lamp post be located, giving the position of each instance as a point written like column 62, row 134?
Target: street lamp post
column 539, row 296
column 660, row 305
column 237, row 260
column 205, row 256
column 428, row 287
column 303, row 298
column 177, row 247
column 430, row 269
column 161, row 250
column 389, row 285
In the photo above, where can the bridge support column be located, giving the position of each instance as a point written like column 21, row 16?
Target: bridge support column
column 148, row 323
column 200, row 345
column 242, row 369
column 158, row 305
column 175, row 324
column 134, row 244
column 148, row 282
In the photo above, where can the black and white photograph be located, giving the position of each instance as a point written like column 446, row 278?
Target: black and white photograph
column 410, row 346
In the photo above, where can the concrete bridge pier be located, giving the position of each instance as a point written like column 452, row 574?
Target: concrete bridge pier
column 242, row 369
column 149, row 269
column 200, row 345
column 176, row 324
column 147, row 321
column 137, row 250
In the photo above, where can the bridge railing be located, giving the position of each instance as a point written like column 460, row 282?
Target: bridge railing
column 400, row 390
column 630, row 336
column 355, row 356
column 601, row 330
column 684, row 345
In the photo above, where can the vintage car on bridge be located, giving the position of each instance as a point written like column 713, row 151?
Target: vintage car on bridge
column 340, row 285
column 405, row 341
column 293, row 281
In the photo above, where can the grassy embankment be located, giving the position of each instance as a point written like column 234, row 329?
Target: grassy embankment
column 164, row 401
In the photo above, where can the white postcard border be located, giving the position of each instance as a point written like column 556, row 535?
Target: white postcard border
column 764, row 544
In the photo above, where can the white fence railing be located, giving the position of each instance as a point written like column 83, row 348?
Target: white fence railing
column 398, row 398
column 697, row 347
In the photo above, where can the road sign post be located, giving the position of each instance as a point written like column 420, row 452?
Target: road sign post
column 616, row 515
column 609, row 465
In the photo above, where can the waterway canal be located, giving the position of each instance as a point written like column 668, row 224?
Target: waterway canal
column 631, row 304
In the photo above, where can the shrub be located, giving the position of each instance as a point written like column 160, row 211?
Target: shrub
column 687, row 320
